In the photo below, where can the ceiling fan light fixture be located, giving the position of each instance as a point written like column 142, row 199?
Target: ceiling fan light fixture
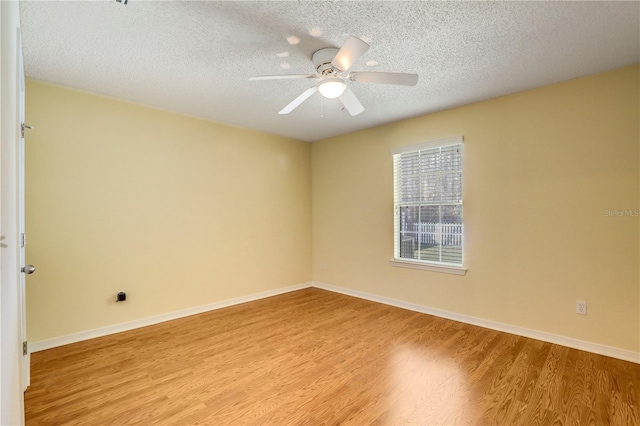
column 331, row 88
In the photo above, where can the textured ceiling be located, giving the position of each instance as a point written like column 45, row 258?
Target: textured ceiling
column 195, row 57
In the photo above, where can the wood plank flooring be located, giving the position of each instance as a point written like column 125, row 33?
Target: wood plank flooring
column 314, row 357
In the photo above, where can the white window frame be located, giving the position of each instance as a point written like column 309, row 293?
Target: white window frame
column 422, row 264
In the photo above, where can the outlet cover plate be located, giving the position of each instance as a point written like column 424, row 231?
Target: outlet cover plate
column 581, row 307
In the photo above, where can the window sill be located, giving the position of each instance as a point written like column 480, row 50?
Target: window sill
column 447, row 269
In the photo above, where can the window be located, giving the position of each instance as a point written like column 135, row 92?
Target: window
column 428, row 226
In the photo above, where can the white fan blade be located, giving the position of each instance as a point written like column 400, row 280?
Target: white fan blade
column 349, row 53
column 297, row 101
column 351, row 103
column 282, row 77
column 385, row 78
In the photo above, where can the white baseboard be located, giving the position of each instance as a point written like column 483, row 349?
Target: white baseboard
column 623, row 354
column 130, row 325
column 612, row 352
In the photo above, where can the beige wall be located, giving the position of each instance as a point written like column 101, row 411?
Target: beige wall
column 176, row 211
column 540, row 169
column 181, row 212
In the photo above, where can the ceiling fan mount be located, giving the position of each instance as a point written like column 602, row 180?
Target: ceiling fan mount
column 332, row 66
column 322, row 61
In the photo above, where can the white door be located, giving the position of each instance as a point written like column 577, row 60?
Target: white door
column 26, row 269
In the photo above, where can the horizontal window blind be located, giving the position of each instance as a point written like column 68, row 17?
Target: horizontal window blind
column 428, row 203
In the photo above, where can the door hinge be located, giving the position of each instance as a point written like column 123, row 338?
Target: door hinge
column 24, row 127
column 23, row 240
column 24, row 348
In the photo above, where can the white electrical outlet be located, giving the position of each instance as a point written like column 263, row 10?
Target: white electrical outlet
column 581, row 308
column 323, row 265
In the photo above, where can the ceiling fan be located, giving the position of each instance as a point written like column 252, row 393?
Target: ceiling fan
column 332, row 66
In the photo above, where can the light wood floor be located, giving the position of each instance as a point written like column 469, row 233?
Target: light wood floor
column 316, row 357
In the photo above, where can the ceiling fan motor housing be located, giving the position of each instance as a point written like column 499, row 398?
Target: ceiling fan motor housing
column 322, row 61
